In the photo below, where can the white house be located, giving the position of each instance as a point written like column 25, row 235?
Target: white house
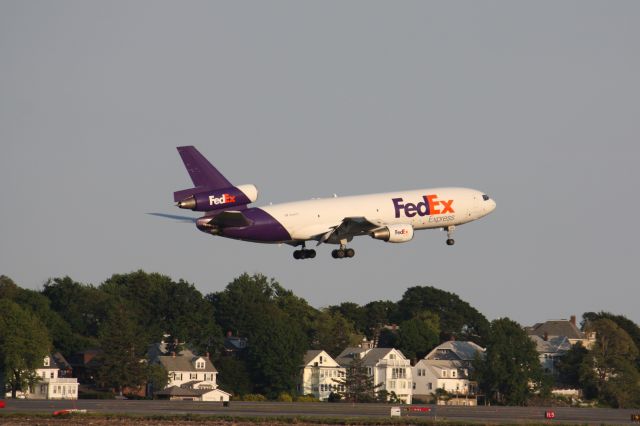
column 51, row 384
column 387, row 366
column 191, row 377
column 562, row 328
column 447, row 367
column 319, row 374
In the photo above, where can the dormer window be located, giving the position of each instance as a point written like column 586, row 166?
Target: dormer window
column 200, row 364
column 47, row 361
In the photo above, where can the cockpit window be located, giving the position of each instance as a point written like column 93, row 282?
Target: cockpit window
column 485, row 197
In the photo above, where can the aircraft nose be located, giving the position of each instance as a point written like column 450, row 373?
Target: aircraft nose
column 491, row 205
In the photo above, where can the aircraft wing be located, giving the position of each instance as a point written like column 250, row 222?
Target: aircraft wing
column 349, row 227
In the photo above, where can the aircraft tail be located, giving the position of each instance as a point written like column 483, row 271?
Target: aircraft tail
column 201, row 170
column 212, row 190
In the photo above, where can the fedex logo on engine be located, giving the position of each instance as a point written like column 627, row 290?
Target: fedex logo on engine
column 430, row 206
column 224, row 199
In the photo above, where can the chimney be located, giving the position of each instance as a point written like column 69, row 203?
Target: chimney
column 546, row 336
column 573, row 320
column 229, row 334
column 207, row 355
column 453, row 338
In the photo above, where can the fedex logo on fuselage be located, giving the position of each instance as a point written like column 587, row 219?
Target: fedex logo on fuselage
column 430, row 206
column 224, row 199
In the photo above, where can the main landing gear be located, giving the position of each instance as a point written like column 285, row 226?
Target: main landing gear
column 450, row 240
column 343, row 251
column 304, row 254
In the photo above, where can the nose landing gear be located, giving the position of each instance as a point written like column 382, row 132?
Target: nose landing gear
column 450, row 240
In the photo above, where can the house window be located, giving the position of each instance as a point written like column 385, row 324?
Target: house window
column 414, row 385
column 453, row 373
column 392, row 356
column 200, row 365
column 193, row 376
column 444, row 373
column 47, row 361
column 52, row 375
column 392, row 384
column 320, row 359
column 430, row 386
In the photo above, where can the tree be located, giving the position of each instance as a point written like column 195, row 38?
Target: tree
column 569, row 366
column 162, row 306
column 233, row 375
column 333, row 332
column 457, row 318
column 24, row 342
column 611, row 364
column 122, row 362
column 510, row 371
column 358, row 384
column 419, row 335
column 275, row 351
column 623, row 322
column 83, row 307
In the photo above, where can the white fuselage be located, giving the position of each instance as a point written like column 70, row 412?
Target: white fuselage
column 422, row 209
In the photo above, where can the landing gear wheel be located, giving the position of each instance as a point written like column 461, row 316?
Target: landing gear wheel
column 350, row 252
column 304, row 254
column 334, row 254
column 450, row 229
column 340, row 254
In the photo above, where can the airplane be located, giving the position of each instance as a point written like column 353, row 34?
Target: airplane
column 391, row 217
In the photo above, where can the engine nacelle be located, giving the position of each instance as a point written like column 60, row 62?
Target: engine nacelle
column 398, row 233
column 220, row 198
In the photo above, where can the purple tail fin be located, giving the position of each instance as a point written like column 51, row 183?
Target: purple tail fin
column 202, row 172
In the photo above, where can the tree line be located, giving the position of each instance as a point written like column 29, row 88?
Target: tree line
column 127, row 312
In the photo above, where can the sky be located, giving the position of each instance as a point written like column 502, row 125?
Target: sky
column 535, row 103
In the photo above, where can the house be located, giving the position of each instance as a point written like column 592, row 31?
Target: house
column 550, row 350
column 447, row 367
column 387, row 366
column 234, row 345
column 554, row 338
column 560, row 328
column 85, row 364
column 191, row 377
column 51, row 383
column 319, row 374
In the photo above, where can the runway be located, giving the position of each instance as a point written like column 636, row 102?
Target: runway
column 494, row 415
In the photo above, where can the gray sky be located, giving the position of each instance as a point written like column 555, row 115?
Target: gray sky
column 536, row 103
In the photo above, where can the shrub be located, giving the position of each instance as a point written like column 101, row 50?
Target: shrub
column 253, row 397
column 284, row 397
column 306, row 398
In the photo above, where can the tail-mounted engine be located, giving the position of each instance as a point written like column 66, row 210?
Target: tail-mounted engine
column 224, row 198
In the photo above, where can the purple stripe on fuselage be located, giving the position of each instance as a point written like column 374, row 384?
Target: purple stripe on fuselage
column 264, row 228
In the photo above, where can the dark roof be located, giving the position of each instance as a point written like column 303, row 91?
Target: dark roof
column 234, row 343
column 553, row 345
column 186, row 363
column 370, row 357
column 61, row 361
column 310, row 355
column 178, row 391
column 52, row 362
column 556, row 328
column 455, row 350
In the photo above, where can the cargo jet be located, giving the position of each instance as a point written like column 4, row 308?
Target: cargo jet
column 392, row 217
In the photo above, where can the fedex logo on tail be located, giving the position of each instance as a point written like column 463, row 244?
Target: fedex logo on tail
column 224, row 199
column 430, row 206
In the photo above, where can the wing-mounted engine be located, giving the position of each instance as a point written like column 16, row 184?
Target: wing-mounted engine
column 398, row 233
column 203, row 200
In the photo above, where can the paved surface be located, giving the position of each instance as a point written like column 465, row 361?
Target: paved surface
column 341, row 410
